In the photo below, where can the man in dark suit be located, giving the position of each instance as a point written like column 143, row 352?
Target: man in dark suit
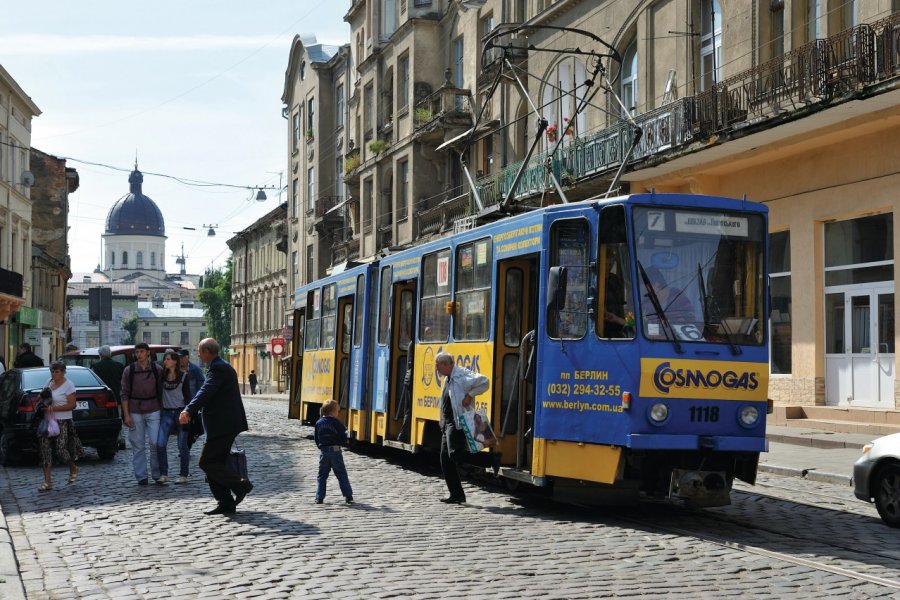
column 219, row 404
column 27, row 358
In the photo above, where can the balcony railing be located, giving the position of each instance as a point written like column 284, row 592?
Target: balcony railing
column 819, row 72
column 446, row 106
column 330, row 207
column 454, row 205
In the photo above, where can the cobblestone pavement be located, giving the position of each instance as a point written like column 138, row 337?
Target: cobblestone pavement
column 105, row 537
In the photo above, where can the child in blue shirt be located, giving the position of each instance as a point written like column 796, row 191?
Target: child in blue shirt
column 330, row 436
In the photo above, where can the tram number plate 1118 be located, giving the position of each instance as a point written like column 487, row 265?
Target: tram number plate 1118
column 704, row 414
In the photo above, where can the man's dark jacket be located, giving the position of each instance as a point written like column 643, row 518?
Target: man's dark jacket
column 28, row 359
column 219, row 399
column 110, row 372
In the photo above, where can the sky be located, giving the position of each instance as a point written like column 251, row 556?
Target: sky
column 192, row 89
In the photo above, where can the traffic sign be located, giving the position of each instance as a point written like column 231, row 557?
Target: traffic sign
column 278, row 346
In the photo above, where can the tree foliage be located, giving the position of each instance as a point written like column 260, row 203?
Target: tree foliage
column 130, row 325
column 215, row 294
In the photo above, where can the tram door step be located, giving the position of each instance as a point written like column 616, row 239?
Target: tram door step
column 401, row 446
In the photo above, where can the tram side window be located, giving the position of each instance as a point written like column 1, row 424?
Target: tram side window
column 473, row 291
column 406, row 318
column 384, row 307
column 434, row 322
column 569, row 247
column 512, row 321
column 615, row 310
column 329, row 314
column 360, row 311
column 313, row 320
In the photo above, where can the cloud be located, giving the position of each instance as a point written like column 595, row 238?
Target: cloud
column 36, row 44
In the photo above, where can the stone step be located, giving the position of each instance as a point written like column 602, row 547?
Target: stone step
column 842, row 426
column 838, row 413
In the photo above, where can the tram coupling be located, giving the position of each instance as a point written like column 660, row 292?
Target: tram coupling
column 698, row 489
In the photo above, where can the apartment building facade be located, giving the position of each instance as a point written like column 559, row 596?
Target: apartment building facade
column 794, row 103
column 259, row 290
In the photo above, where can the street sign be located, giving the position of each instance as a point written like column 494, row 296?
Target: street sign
column 33, row 337
column 100, row 304
column 278, row 346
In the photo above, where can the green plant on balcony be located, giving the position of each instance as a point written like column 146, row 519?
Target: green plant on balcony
column 378, row 146
column 422, row 116
column 351, row 163
column 566, row 179
column 309, row 135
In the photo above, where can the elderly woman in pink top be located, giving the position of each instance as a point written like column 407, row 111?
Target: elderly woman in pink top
column 66, row 444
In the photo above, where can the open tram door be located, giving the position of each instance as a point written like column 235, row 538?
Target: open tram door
column 343, row 343
column 296, row 365
column 513, row 413
column 403, row 315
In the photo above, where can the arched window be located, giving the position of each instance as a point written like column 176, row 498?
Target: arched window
column 562, row 94
column 125, row 259
column 629, row 78
column 140, row 259
column 112, row 259
column 153, row 259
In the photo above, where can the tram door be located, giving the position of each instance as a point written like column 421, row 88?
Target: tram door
column 404, row 317
column 513, row 415
column 297, row 365
column 342, row 356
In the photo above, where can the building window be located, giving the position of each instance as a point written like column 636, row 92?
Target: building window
column 848, row 14
column 403, row 82
column 710, row 44
column 185, row 338
column 403, row 190
column 458, row 62
column 339, row 109
column 302, row 70
column 813, row 20
column 780, row 317
column 310, row 265
column 296, row 137
column 164, row 337
column 311, row 188
column 140, row 259
column 294, row 262
column 145, row 337
column 560, row 99
column 295, row 197
column 777, row 29
column 153, row 259
column 112, row 259
column 630, row 78
column 125, row 259
column 310, row 116
column 368, row 110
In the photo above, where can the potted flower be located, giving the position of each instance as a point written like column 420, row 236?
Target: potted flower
column 552, row 133
column 570, row 127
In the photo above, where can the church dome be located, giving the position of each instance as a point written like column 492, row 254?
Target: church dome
column 135, row 213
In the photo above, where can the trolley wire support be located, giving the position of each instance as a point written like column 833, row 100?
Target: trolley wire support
column 599, row 58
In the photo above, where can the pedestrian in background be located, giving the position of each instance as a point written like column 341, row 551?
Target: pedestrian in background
column 67, row 445
column 2, row 364
column 175, row 396
column 110, row 372
column 141, row 391
column 330, row 435
column 253, row 381
column 219, row 404
column 27, row 358
column 194, row 373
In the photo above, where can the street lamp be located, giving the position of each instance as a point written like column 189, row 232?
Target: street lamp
column 212, row 230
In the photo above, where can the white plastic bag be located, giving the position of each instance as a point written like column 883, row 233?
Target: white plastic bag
column 52, row 425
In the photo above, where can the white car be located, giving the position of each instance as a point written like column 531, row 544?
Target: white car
column 876, row 475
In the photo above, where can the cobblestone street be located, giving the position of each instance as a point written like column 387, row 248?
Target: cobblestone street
column 106, row 537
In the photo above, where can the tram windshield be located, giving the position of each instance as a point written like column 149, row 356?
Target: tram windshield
column 700, row 275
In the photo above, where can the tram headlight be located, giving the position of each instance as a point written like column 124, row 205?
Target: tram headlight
column 659, row 412
column 749, row 416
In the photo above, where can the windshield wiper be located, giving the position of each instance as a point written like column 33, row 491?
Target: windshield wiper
column 668, row 330
column 735, row 349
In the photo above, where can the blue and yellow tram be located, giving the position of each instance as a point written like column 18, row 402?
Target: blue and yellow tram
column 625, row 341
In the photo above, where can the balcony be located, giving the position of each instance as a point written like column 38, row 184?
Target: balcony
column 447, row 108
column 345, row 246
column 855, row 63
column 351, row 166
column 454, row 204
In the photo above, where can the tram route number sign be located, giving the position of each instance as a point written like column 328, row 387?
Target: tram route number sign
column 278, row 346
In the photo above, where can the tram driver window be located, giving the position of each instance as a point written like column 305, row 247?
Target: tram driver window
column 434, row 322
column 615, row 300
column 473, row 291
column 569, row 247
column 313, row 320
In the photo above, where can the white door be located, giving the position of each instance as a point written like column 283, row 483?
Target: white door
column 859, row 350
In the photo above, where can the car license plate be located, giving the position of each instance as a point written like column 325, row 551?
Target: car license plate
column 81, row 405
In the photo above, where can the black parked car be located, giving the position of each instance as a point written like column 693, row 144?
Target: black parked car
column 96, row 414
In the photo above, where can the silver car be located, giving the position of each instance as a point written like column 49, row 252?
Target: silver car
column 877, row 475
